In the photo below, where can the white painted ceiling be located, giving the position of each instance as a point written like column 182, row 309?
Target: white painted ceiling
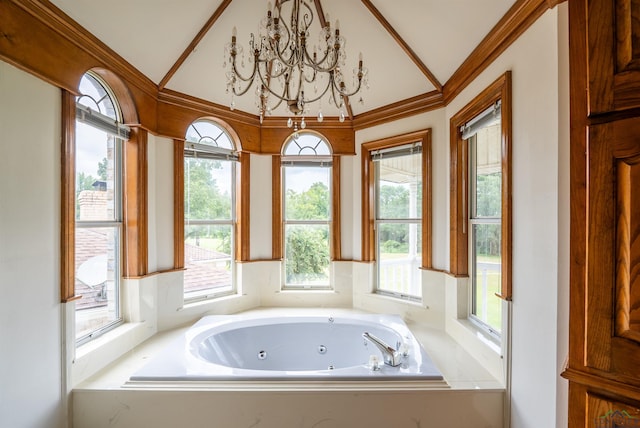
column 153, row 34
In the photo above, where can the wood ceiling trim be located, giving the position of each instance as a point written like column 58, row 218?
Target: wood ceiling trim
column 411, row 106
column 203, row 106
column 197, row 39
column 515, row 22
column 405, row 47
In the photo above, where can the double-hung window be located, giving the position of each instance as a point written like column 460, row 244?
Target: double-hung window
column 209, row 211
column 483, row 136
column 397, row 212
column 398, row 223
column 306, row 166
column 481, row 219
column 98, row 208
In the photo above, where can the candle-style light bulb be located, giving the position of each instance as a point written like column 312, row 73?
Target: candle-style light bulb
column 234, row 32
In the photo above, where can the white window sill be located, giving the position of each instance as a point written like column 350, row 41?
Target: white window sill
column 491, row 341
column 212, row 301
column 96, row 354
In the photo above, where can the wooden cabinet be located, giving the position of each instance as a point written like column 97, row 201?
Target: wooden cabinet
column 613, row 251
column 604, row 348
column 613, row 29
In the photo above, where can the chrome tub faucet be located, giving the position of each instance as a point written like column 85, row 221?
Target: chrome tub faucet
column 391, row 357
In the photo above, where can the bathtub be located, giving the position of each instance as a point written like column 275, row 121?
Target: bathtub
column 291, row 348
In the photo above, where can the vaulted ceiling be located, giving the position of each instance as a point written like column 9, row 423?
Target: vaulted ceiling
column 410, row 47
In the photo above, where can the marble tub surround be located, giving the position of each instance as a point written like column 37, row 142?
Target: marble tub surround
column 471, row 394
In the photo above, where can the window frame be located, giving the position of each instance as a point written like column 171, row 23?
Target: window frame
column 133, row 229
column 460, row 253
column 277, row 224
column 242, row 202
column 369, row 208
column 213, row 152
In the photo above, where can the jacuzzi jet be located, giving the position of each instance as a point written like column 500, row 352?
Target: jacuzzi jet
column 262, row 355
column 322, row 349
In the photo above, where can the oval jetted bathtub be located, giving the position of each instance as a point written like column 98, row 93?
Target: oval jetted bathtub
column 291, row 348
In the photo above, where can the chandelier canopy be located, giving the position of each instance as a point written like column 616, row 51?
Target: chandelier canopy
column 286, row 70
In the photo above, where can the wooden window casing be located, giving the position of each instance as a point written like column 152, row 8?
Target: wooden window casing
column 242, row 247
column 135, row 227
column 459, row 168
column 368, row 193
column 277, row 242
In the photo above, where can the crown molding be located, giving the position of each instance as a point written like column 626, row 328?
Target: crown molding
column 515, row 22
column 411, row 106
column 188, row 102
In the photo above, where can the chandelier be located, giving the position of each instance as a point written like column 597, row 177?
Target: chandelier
column 285, row 70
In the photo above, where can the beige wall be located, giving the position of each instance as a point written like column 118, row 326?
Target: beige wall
column 31, row 376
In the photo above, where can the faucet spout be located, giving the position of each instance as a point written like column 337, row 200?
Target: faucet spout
column 390, row 356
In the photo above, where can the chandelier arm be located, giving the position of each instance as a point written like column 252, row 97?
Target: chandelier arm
column 267, row 86
column 242, row 92
column 349, row 94
column 322, row 94
column 333, row 95
column 317, row 65
column 239, row 75
column 290, row 61
column 313, row 78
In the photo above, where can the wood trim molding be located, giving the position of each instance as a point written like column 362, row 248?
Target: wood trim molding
column 427, row 202
column 68, row 197
column 203, row 31
column 243, row 208
column 459, row 241
column 367, row 206
column 276, row 208
column 515, row 22
column 610, row 384
column 578, row 66
column 135, row 205
column 410, row 107
column 368, row 193
column 404, row 45
column 204, row 107
column 178, row 204
column 336, row 234
column 58, row 50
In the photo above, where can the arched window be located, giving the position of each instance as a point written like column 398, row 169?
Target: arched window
column 210, row 162
column 307, row 175
column 98, row 208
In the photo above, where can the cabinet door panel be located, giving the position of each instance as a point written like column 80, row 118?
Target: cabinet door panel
column 613, row 273
column 614, row 55
column 604, row 412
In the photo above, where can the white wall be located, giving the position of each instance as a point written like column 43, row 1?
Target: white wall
column 160, row 175
column 564, row 195
column 31, row 379
column 538, row 136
